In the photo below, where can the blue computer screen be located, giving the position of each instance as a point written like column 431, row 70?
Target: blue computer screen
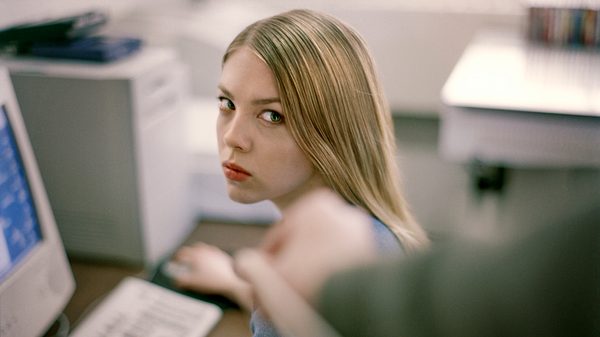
column 19, row 227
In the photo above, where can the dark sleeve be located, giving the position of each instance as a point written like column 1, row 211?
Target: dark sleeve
column 547, row 284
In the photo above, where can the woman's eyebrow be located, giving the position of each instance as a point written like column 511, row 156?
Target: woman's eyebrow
column 264, row 101
column 225, row 91
column 258, row 101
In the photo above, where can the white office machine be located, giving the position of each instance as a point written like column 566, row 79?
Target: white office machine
column 521, row 104
column 110, row 144
column 35, row 278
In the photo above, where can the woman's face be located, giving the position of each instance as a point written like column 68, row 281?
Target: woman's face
column 260, row 159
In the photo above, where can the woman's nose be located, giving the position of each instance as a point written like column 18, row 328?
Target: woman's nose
column 237, row 133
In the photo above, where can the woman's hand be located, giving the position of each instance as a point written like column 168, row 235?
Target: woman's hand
column 210, row 271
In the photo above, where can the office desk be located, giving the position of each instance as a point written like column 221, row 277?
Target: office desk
column 94, row 280
column 514, row 103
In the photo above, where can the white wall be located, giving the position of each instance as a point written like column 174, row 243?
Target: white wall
column 417, row 43
column 415, row 46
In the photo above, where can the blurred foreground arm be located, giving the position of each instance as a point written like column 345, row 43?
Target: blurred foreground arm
column 320, row 235
column 545, row 284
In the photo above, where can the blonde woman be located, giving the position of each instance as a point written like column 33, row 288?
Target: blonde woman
column 301, row 108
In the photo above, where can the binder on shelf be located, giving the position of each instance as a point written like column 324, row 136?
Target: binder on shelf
column 95, row 48
column 54, row 29
column 564, row 23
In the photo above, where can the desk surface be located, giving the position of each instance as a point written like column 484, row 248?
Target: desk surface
column 94, row 280
column 517, row 104
column 501, row 70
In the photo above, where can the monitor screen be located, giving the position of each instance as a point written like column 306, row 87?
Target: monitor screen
column 20, row 230
column 36, row 281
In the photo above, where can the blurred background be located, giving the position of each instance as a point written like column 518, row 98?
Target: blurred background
column 416, row 45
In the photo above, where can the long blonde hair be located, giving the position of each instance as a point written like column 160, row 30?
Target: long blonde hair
column 335, row 110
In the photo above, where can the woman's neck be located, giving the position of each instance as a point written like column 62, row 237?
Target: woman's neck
column 284, row 202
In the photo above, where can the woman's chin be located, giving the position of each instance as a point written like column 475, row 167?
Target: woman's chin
column 243, row 198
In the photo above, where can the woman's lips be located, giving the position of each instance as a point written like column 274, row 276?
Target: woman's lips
column 235, row 172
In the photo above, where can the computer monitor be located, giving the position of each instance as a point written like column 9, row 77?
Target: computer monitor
column 36, row 281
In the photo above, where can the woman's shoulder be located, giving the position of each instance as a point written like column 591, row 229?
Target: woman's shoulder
column 386, row 240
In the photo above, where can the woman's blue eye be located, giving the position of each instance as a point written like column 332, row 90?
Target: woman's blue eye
column 226, row 104
column 272, row 117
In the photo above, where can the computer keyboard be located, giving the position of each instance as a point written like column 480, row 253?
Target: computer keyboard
column 138, row 308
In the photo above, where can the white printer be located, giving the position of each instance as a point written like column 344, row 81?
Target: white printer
column 110, row 145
